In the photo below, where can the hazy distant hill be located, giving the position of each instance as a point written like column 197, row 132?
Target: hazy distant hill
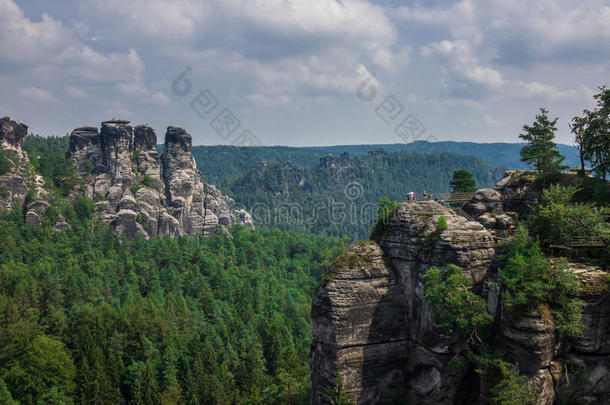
column 497, row 154
column 222, row 163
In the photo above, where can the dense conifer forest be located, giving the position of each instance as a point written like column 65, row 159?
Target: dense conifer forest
column 87, row 318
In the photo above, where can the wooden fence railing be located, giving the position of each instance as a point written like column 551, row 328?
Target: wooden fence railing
column 455, row 197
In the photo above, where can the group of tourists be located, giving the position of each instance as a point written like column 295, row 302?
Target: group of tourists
column 411, row 196
column 518, row 190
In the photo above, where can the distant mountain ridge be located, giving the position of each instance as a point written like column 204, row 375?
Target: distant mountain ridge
column 222, row 163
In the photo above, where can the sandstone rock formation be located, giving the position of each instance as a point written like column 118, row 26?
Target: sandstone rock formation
column 360, row 328
column 587, row 380
column 518, row 191
column 330, row 160
column 14, row 178
column 19, row 183
column 372, row 326
column 487, row 207
column 575, row 372
column 371, row 323
column 140, row 193
column 134, row 190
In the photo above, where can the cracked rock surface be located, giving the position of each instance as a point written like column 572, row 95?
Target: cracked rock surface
column 141, row 193
column 373, row 328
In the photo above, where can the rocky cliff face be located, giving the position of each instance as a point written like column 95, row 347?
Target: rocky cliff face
column 134, row 190
column 142, row 194
column 15, row 180
column 372, row 326
column 19, row 183
column 487, row 207
column 330, row 160
column 371, row 323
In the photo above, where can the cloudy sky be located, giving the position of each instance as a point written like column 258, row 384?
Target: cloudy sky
column 303, row 72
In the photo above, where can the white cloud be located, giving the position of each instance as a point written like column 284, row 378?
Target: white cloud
column 116, row 109
column 351, row 20
column 159, row 99
column 329, row 73
column 262, row 100
column 37, row 94
column 84, row 62
column 458, row 64
column 22, row 40
column 547, row 25
column 50, row 47
column 76, row 92
column 491, row 121
column 162, row 19
column 460, row 60
column 537, row 89
column 287, row 46
column 134, row 88
column 52, row 61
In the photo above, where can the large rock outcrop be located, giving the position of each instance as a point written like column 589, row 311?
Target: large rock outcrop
column 360, row 328
column 519, row 192
column 575, row 372
column 373, row 329
column 15, row 180
column 20, row 185
column 487, row 208
column 140, row 193
column 585, row 371
column 134, row 190
column 371, row 323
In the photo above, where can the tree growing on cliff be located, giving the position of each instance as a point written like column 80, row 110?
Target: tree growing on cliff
column 541, row 151
column 385, row 209
column 592, row 134
column 462, row 182
column 558, row 220
column 338, row 396
column 530, row 279
column 5, row 163
column 454, row 305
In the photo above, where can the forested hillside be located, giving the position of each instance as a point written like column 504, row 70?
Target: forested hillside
column 296, row 194
column 86, row 318
column 340, row 199
column 223, row 163
column 495, row 154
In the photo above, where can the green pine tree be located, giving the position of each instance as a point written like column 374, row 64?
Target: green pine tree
column 462, row 182
column 541, row 151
